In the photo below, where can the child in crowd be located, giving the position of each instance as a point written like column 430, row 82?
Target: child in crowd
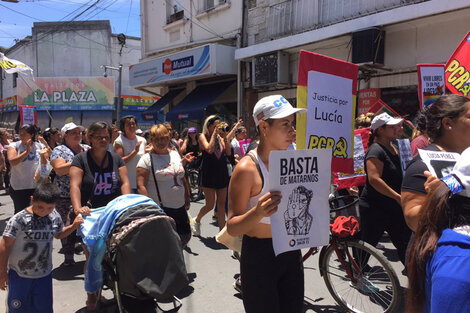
column 26, row 252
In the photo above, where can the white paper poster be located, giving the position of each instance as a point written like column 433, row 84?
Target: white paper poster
column 404, row 148
column 439, row 163
column 329, row 113
column 303, row 178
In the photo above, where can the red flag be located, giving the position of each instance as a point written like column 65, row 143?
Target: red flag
column 458, row 68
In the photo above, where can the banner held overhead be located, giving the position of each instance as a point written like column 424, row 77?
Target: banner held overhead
column 327, row 87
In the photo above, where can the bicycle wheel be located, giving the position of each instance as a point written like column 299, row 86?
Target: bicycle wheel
column 193, row 180
column 375, row 289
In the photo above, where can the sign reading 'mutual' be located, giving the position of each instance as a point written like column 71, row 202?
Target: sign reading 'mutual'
column 67, row 93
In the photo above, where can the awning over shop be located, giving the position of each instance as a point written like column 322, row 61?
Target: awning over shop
column 192, row 107
column 9, row 120
column 153, row 111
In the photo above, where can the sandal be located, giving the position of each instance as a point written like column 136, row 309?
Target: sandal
column 92, row 306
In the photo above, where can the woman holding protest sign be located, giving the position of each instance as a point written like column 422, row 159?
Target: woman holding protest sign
column 379, row 204
column 448, row 127
column 438, row 267
column 269, row 283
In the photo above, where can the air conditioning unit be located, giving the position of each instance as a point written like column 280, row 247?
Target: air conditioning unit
column 368, row 46
column 270, row 69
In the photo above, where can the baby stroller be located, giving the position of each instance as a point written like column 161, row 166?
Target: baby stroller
column 144, row 262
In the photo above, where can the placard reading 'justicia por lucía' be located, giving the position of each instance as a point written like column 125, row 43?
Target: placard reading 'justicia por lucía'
column 302, row 218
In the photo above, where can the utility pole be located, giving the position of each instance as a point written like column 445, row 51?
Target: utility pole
column 105, row 74
column 122, row 41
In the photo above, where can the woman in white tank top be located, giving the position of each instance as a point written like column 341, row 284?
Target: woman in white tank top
column 269, row 283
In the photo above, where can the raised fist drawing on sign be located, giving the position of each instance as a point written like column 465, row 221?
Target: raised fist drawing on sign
column 297, row 218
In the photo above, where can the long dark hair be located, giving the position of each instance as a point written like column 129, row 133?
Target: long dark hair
column 30, row 129
column 372, row 136
column 440, row 210
column 451, row 106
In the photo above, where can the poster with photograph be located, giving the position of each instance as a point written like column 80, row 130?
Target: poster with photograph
column 404, row 151
column 303, row 178
column 439, row 163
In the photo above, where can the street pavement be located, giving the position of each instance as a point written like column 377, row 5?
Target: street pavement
column 211, row 270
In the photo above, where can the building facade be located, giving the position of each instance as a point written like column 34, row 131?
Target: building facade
column 188, row 57
column 67, row 60
column 387, row 39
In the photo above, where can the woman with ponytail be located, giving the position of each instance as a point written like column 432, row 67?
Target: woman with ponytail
column 439, row 258
column 379, row 203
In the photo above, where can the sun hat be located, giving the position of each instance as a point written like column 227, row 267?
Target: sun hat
column 273, row 107
column 459, row 179
column 384, row 119
column 192, row 130
column 70, row 126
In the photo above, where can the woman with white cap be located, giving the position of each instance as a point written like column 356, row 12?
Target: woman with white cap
column 61, row 160
column 269, row 283
column 380, row 201
column 439, row 267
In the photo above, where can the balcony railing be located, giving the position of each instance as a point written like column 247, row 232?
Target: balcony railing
column 175, row 17
column 296, row 16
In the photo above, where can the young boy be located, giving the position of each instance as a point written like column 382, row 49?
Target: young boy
column 27, row 249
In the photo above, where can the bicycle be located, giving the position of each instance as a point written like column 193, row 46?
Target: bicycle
column 357, row 275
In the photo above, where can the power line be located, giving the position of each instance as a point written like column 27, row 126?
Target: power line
column 21, row 13
column 128, row 16
column 194, row 21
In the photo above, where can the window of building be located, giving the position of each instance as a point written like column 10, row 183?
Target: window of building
column 207, row 5
column 15, row 77
column 174, row 11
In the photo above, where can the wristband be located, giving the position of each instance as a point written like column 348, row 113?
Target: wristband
column 452, row 183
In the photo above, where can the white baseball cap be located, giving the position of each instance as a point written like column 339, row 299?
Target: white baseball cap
column 384, row 119
column 70, row 126
column 273, row 107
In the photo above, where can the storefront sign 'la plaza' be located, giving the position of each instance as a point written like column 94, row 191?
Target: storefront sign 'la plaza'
column 200, row 62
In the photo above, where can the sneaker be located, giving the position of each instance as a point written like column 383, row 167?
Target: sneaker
column 197, row 229
column 235, row 255
column 237, row 284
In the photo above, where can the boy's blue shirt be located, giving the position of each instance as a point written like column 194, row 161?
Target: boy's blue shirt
column 448, row 275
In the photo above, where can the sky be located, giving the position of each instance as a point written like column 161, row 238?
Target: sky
column 16, row 19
